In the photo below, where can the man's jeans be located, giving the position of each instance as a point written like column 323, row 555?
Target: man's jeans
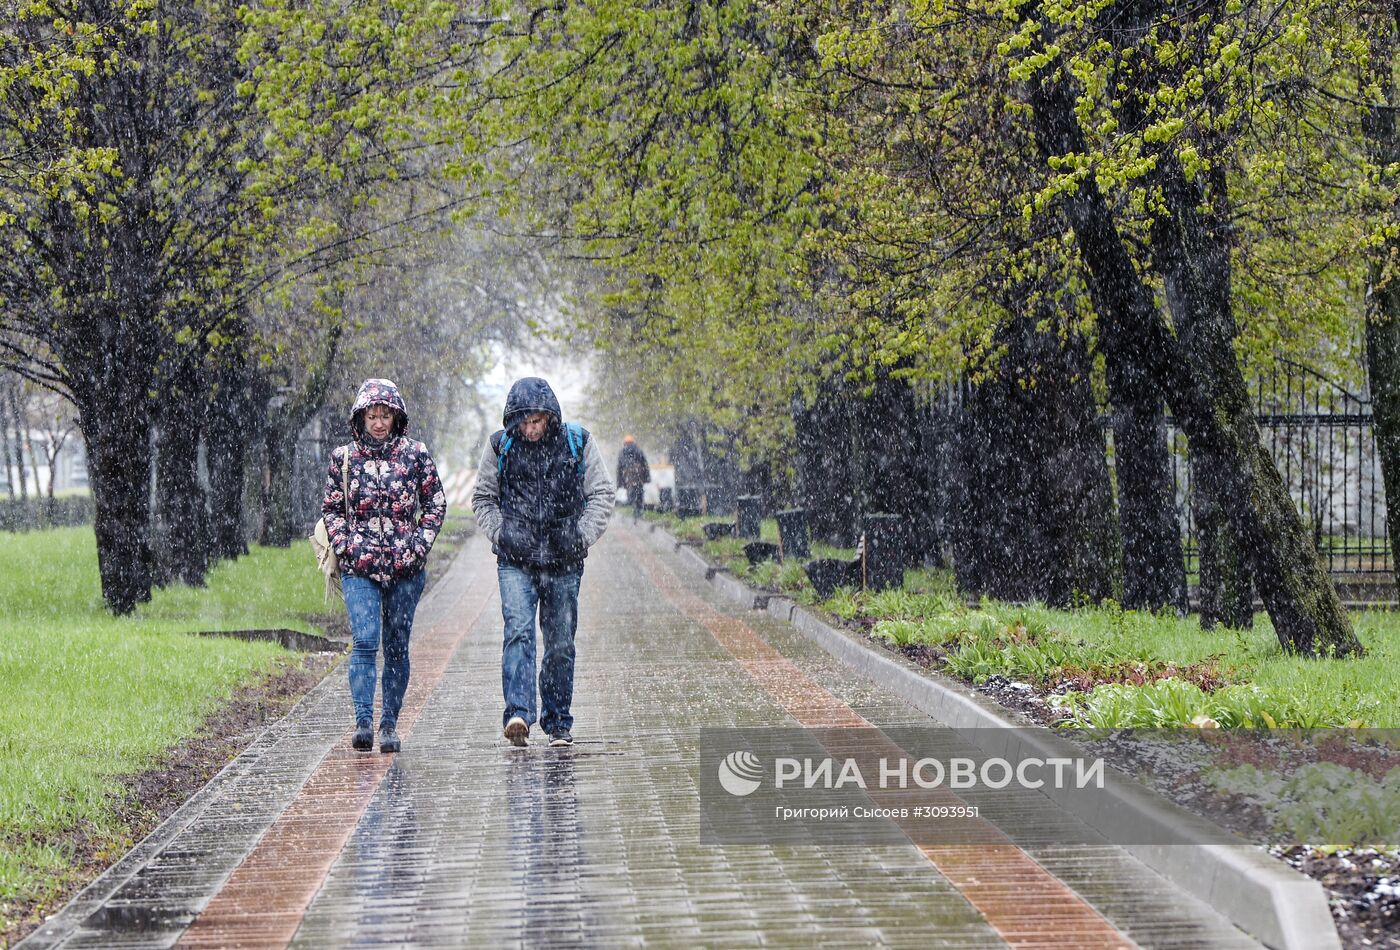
column 555, row 595
column 380, row 611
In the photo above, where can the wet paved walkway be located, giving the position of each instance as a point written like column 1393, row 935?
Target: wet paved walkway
column 461, row 840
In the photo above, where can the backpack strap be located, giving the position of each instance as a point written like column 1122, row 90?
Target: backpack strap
column 501, row 443
column 574, row 434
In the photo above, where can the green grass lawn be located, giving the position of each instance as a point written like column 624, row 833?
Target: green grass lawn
column 91, row 697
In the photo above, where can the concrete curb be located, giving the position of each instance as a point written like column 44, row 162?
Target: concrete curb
column 1271, row 902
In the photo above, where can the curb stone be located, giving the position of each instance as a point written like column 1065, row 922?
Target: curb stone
column 59, row 926
column 1273, row 903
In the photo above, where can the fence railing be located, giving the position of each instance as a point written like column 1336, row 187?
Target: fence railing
column 1322, row 438
column 28, row 514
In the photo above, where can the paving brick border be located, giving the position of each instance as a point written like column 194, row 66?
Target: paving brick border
column 1276, row 905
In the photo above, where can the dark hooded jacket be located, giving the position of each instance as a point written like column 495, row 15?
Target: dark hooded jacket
column 397, row 504
column 632, row 469
column 538, row 503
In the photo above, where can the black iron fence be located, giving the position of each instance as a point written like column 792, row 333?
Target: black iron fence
column 1321, row 437
column 28, row 514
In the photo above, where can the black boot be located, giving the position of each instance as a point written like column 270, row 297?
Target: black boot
column 388, row 738
column 363, row 740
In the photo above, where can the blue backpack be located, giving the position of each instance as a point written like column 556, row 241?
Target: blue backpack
column 573, row 434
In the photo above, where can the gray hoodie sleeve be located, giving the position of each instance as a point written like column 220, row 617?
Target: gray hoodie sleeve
column 486, row 496
column 597, row 488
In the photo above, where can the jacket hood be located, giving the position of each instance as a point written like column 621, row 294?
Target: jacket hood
column 529, row 395
column 378, row 392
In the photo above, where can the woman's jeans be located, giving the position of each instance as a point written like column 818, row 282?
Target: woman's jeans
column 555, row 595
column 380, row 612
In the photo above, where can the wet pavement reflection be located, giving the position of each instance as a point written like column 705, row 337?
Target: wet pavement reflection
column 462, row 840
column 545, row 843
column 385, row 848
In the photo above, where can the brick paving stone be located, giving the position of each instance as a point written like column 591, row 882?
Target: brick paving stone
column 463, row 840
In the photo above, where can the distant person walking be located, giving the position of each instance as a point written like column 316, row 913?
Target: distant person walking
column 633, row 473
column 382, row 533
column 543, row 498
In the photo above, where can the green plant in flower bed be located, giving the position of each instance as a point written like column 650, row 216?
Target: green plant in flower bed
column 684, row 529
column 907, row 633
column 1115, row 666
column 844, row 603
column 976, row 659
column 1133, row 668
column 728, row 552
column 1022, row 645
column 1321, row 803
column 1175, row 703
column 785, row 576
column 904, row 604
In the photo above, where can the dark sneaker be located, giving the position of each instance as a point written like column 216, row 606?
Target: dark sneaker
column 388, row 738
column 517, row 731
column 363, row 739
column 561, row 738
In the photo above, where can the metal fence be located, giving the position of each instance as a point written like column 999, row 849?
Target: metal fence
column 1322, row 439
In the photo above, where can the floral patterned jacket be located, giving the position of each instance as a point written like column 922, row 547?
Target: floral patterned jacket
column 397, row 507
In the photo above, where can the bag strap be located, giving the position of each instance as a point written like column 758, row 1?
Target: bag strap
column 345, row 483
column 573, row 435
column 502, row 447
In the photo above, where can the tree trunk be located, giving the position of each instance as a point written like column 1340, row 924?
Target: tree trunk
column 1275, row 544
column 5, row 442
column 893, row 465
column 1383, row 291
column 34, row 464
column 1200, row 290
column 1226, row 594
column 21, row 438
column 1035, row 510
column 277, row 487
column 1206, row 392
column 226, row 440
column 51, row 455
column 284, row 425
column 109, row 372
column 1383, row 369
column 827, row 478
column 182, row 544
column 939, row 439
column 1078, row 508
column 1154, row 564
column 119, row 470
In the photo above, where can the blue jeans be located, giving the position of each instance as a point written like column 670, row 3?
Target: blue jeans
column 524, row 590
column 380, row 612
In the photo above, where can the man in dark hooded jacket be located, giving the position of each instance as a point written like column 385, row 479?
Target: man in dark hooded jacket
column 543, row 498
column 633, row 473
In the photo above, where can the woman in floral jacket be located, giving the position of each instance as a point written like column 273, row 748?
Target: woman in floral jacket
column 395, row 510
